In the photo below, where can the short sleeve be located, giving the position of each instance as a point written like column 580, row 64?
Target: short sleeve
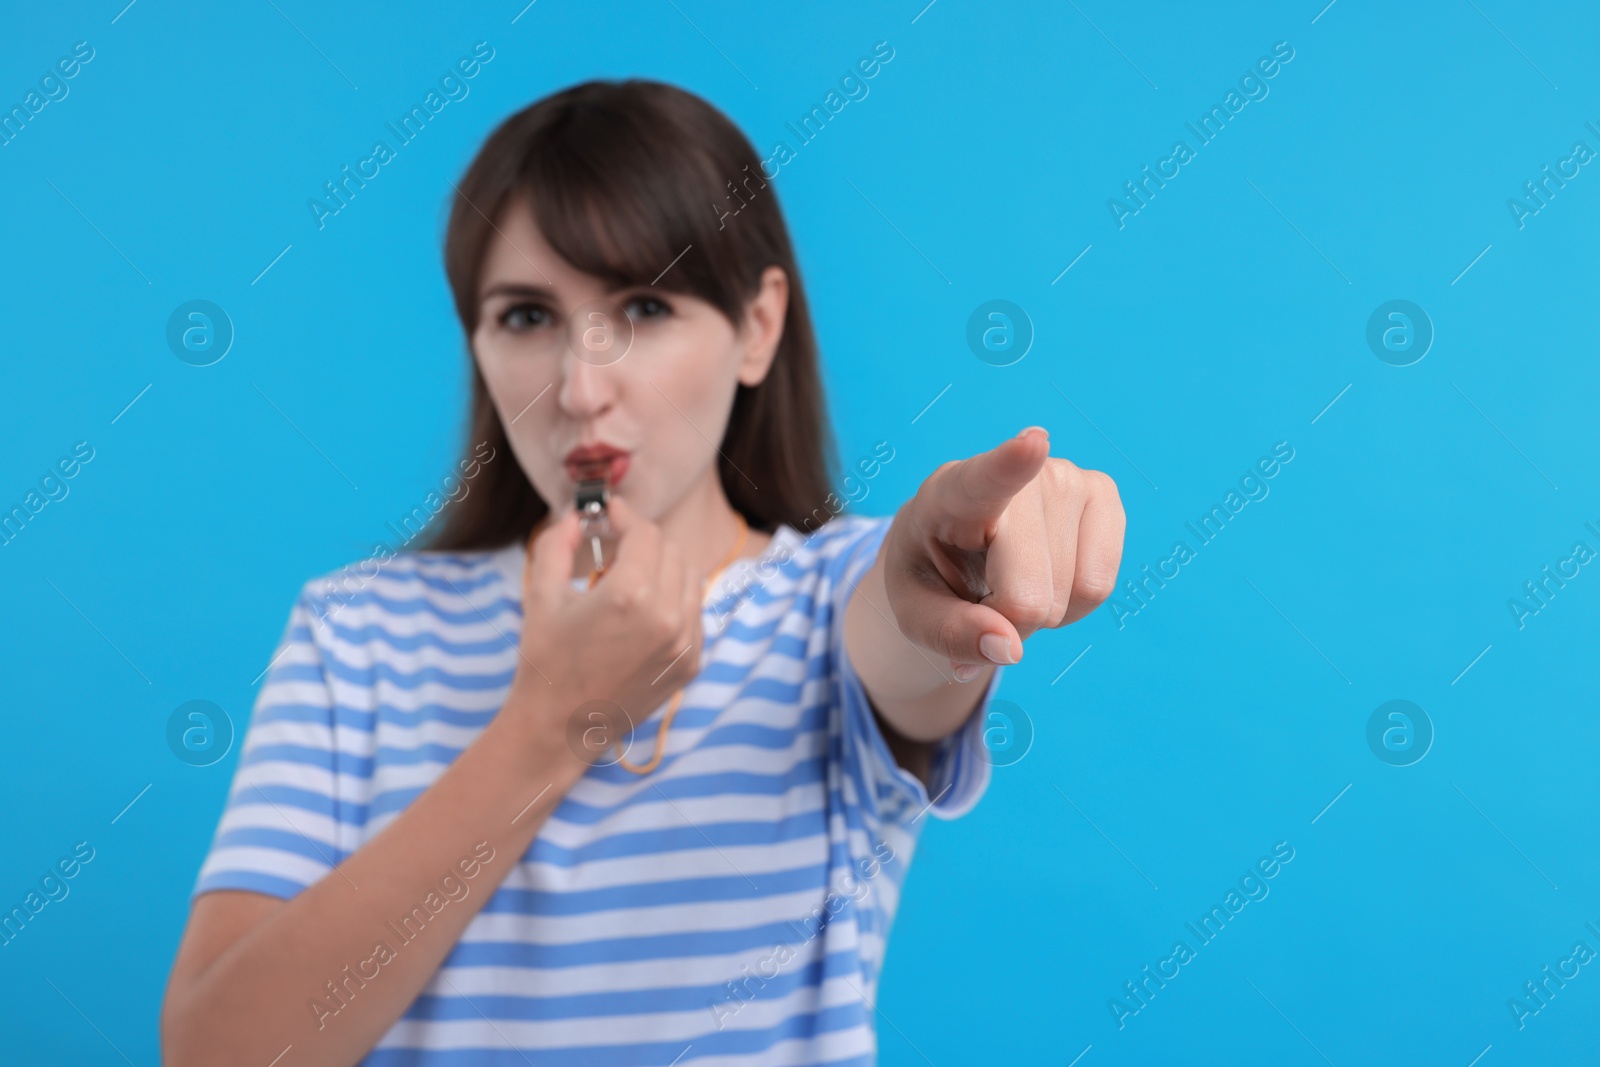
column 961, row 768
column 280, row 828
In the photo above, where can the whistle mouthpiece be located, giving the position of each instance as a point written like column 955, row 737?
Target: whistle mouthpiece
column 592, row 499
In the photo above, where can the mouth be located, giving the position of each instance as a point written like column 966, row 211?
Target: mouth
column 596, row 461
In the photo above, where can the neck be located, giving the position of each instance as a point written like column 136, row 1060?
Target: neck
column 704, row 525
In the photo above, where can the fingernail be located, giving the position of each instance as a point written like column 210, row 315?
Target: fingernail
column 1041, row 429
column 996, row 648
column 967, row 672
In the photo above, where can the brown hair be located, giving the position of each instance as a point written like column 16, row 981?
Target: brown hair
column 625, row 178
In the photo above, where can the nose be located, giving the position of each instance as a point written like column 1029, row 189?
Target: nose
column 586, row 390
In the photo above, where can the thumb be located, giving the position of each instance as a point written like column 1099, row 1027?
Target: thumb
column 934, row 617
column 553, row 551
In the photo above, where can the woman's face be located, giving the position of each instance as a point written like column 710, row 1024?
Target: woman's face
column 553, row 345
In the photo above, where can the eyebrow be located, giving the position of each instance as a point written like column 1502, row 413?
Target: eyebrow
column 542, row 292
column 517, row 289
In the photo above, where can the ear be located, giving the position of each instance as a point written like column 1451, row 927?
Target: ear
column 763, row 326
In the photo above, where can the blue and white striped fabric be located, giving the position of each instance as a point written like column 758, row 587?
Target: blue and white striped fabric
column 730, row 908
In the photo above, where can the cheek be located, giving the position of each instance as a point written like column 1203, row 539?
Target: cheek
column 532, row 446
column 703, row 387
column 513, row 385
column 699, row 370
column 516, row 368
column 683, row 398
column 509, row 371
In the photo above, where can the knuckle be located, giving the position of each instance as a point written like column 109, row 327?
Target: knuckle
column 672, row 621
column 663, row 621
column 946, row 639
column 1068, row 476
column 1028, row 605
column 1095, row 587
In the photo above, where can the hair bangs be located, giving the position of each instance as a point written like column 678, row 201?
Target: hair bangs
column 616, row 204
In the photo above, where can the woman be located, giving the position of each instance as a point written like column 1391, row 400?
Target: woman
column 499, row 805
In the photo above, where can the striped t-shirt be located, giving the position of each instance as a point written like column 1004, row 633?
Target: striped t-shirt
column 731, row 907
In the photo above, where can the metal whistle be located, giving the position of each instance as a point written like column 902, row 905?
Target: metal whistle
column 592, row 498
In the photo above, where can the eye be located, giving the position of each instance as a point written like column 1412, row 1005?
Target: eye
column 519, row 318
column 646, row 307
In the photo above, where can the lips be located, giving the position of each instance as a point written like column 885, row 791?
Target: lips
column 596, row 461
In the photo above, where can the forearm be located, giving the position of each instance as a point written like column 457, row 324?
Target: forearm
column 259, row 995
column 908, row 685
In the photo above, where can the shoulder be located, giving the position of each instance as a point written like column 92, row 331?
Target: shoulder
column 450, row 586
column 836, row 551
column 840, row 537
column 846, row 547
column 823, row 552
column 797, row 567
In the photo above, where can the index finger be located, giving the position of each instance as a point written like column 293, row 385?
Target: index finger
column 969, row 495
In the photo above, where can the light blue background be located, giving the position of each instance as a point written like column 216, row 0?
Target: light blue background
column 1220, row 720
